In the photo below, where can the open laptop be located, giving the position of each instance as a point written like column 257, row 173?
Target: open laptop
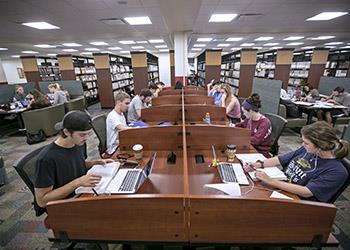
column 128, row 181
column 232, row 172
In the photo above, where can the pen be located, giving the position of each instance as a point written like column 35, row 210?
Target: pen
column 94, row 191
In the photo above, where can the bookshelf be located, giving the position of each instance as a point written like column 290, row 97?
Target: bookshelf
column 121, row 74
column 209, row 66
column 152, row 68
column 201, row 69
column 230, row 70
column 48, row 69
column 338, row 63
column 84, row 69
column 266, row 64
column 300, row 67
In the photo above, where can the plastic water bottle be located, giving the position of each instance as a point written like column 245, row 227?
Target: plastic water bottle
column 207, row 118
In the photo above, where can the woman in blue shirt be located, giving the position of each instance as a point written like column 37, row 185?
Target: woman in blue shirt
column 314, row 171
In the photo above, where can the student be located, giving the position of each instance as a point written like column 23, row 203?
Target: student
column 231, row 103
column 38, row 100
column 154, row 89
column 61, row 165
column 137, row 103
column 314, row 171
column 59, row 95
column 213, row 90
column 160, row 86
column 310, row 94
column 116, row 121
column 260, row 126
column 19, row 94
column 66, row 93
column 338, row 97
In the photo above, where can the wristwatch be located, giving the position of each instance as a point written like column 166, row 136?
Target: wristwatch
column 261, row 163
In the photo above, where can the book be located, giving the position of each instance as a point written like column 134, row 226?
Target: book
column 107, row 173
column 246, row 158
column 272, row 172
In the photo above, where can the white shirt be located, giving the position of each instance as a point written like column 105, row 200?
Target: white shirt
column 113, row 120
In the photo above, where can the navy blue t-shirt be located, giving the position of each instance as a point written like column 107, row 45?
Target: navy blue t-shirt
column 323, row 177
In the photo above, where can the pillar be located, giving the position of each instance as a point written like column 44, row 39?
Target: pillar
column 31, row 69
column 140, row 70
column 246, row 72
column 282, row 69
column 104, row 80
column 212, row 65
column 180, row 47
column 65, row 64
column 172, row 67
column 318, row 65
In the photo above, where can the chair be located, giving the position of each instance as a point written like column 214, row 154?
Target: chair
column 25, row 167
column 99, row 127
column 277, row 123
column 292, row 122
column 346, row 163
column 75, row 104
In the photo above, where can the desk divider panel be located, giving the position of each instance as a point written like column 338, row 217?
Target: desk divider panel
column 189, row 99
column 199, row 99
column 186, row 92
column 327, row 84
column 166, row 100
column 165, row 113
column 196, row 113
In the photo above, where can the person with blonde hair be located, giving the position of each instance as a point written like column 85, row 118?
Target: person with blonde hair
column 59, row 96
column 314, row 171
column 231, row 103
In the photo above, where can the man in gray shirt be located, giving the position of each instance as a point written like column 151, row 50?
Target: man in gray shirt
column 138, row 103
column 59, row 95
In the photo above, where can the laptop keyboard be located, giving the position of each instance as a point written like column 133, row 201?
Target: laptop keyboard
column 129, row 181
column 227, row 173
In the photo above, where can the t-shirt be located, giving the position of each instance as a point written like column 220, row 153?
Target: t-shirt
column 113, row 120
column 323, row 177
column 261, row 136
column 217, row 97
column 135, row 104
column 344, row 99
column 59, row 97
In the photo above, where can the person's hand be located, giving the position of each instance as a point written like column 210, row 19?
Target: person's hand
column 89, row 180
column 223, row 97
column 251, row 166
column 262, row 176
column 103, row 161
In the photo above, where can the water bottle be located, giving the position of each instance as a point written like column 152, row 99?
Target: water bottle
column 207, row 118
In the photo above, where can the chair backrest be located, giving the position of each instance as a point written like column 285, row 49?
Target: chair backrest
column 25, row 167
column 277, row 123
column 346, row 164
column 75, row 104
column 99, row 126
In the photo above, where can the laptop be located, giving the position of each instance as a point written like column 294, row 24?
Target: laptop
column 128, row 181
column 232, row 172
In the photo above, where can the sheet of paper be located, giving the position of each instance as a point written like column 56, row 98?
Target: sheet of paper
column 245, row 158
column 303, row 103
column 232, row 189
column 273, row 172
column 278, row 195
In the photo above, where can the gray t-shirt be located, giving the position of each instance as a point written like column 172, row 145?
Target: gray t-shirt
column 344, row 99
column 59, row 97
column 135, row 104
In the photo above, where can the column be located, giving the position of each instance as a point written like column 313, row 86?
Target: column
column 31, row 69
column 180, row 46
column 104, row 80
column 3, row 79
column 246, row 72
column 283, row 62
column 65, row 64
column 212, row 65
column 140, row 71
column 172, row 67
column 318, row 64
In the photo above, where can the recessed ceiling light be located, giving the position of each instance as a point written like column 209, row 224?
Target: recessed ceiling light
column 234, row 39
column 276, row 48
column 156, row 41
column 164, row 50
column 114, row 48
column 293, row 38
column 264, row 38
column 4, row 49
column 138, row 20
column 330, row 47
column 257, row 47
column 322, row 38
column 161, row 46
column 326, row 16
column 137, row 47
column 86, row 53
column 41, row 25
column 308, row 47
column 71, row 44
column 196, row 49
column 346, row 47
column 127, row 42
column 106, row 52
column 270, row 44
column 98, row 43
column 222, row 18
column 201, row 45
column 44, row 46
column 124, row 51
column 204, row 39
column 29, row 52
column 52, row 54
column 295, row 44
column 92, row 49
column 234, row 49
column 69, row 50
column 141, row 42
column 247, row 44
column 16, row 56
column 223, row 45
column 334, row 43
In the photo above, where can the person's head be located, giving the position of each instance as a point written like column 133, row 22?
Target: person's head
column 160, row 85
column 75, row 127
column 19, row 89
column 122, row 101
column 145, row 95
column 225, row 89
column 338, row 91
column 153, row 88
column 217, row 86
column 36, row 94
column 53, row 87
column 251, row 105
column 320, row 136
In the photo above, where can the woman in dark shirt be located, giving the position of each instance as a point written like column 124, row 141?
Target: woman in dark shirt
column 38, row 100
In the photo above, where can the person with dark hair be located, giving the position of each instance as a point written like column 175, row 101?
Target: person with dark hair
column 19, row 93
column 260, row 126
column 137, row 103
column 38, row 100
column 314, row 171
column 213, row 89
column 338, row 97
column 61, row 165
column 310, row 93
column 160, row 86
column 59, row 95
column 154, row 89
column 231, row 103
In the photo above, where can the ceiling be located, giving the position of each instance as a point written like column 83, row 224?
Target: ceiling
column 80, row 22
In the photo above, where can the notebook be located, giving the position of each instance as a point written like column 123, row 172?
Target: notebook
column 245, row 158
column 107, row 172
column 273, row 172
column 128, row 181
column 232, row 172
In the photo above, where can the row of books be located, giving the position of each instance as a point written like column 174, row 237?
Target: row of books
column 300, row 65
column 231, row 65
column 121, row 76
column 87, row 78
column 85, row 70
column 233, row 73
column 118, row 69
column 121, row 84
column 152, row 67
column 299, row 73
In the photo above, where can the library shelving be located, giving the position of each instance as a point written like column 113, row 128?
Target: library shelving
column 152, row 68
column 121, row 74
column 338, row 63
column 300, row 67
column 230, row 70
column 266, row 64
column 48, row 69
column 201, row 69
column 209, row 66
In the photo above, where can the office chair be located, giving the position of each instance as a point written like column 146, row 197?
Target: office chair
column 346, row 163
column 99, row 127
column 277, row 123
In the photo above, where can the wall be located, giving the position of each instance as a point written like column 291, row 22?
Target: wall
column 164, row 67
column 2, row 73
column 10, row 68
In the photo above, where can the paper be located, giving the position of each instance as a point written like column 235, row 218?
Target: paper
column 232, row 189
column 303, row 103
column 107, row 172
column 278, row 195
column 273, row 172
column 245, row 158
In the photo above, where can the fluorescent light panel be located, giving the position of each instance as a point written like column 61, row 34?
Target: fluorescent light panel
column 98, row 43
column 201, row 45
column 223, row 45
column 270, row 44
column 127, row 42
column 114, row 48
column 44, row 46
column 69, row 50
column 137, row 47
column 156, row 41
column 92, row 49
column 72, row 44
column 161, row 46
column 164, row 50
column 196, row 49
column 293, row 38
column 264, row 38
column 125, row 51
column 234, row 39
column 52, row 54
column 29, row 52
column 334, row 43
column 41, row 25
column 308, row 47
column 322, row 38
column 16, row 56
column 4, row 49
column 141, row 42
column 222, row 18
column 326, row 16
column 295, row 44
column 247, row 44
column 142, row 20
column 234, row 49
column 204, row 39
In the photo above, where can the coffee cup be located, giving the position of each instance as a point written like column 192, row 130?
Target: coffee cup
column 137, row 148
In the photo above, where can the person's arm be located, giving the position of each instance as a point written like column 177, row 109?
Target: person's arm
column 262, row 130
column 89, row 164
column 231, row 106
column 223, row 98
column 270, row 162
column 44, row 195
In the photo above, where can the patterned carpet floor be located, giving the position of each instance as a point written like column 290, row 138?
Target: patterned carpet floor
column 21, row 229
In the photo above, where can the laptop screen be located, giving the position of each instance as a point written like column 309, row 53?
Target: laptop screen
column 147, row 170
